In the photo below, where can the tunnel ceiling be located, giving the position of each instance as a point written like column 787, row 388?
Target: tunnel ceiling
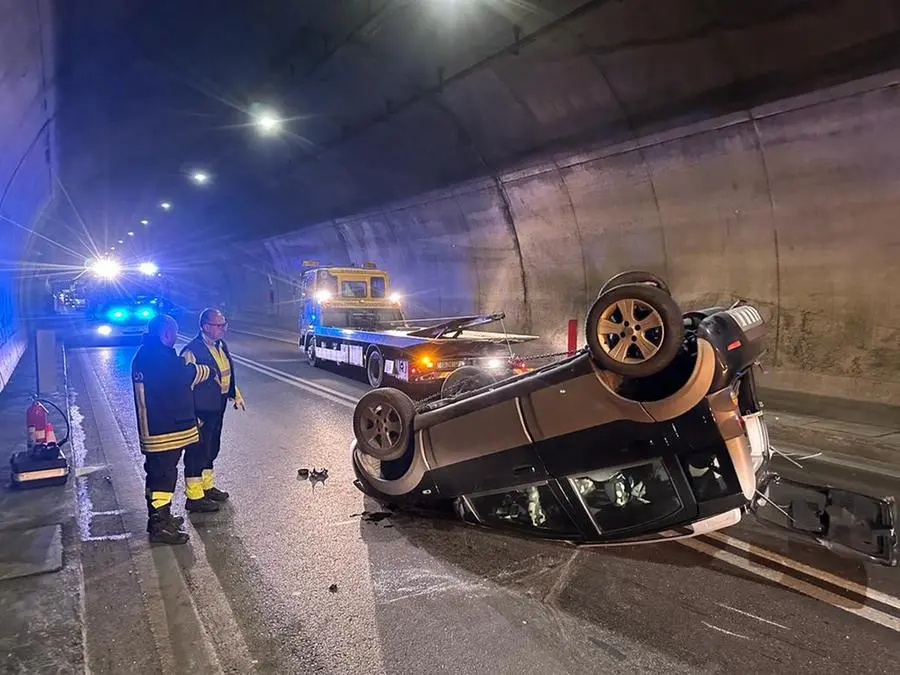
column 390, row 98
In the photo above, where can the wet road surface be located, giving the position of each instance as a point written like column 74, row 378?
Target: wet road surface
column 290, row 578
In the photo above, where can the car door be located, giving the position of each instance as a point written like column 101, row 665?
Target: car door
column 844, row 521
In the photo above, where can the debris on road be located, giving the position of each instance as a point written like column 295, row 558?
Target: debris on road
column 374, row 516
column 314, row 475
column 333, row 588
column 303, row 473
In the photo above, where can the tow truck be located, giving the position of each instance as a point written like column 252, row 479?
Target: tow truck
column 351, row 317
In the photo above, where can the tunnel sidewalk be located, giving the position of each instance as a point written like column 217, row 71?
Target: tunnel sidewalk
column 849, row 433
column 40, row 572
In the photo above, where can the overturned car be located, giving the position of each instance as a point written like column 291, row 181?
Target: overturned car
column 652, row 431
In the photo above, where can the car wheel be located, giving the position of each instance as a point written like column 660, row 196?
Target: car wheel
column 375, row 368
column 465, row 378
column 634, row 330
column 634, row 277
column 311, row 352
column 382, row 423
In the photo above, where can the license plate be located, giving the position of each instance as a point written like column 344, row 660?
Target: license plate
column 450, row 365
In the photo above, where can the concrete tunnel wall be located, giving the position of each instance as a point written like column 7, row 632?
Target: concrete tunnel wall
column 791, row 206
column 26, row 152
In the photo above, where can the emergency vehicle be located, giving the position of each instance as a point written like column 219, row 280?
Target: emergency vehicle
column 351, row 317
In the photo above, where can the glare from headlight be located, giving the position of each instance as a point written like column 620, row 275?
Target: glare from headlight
column 106, row 268
column 104, row 330
column 494, row 363
column 323, row 296
column 148, row 268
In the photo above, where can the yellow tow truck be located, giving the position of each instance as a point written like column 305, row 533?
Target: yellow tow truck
column 350, row 316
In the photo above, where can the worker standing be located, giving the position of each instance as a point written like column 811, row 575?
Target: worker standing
column 163, row 386
column 210, row 399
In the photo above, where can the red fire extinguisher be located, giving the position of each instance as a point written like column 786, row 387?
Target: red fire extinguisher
column 36, row 422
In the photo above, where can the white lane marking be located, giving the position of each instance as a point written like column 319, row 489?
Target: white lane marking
column 110, row 537
column 114, row 512
column 296, row 342
column 331, row 395
column 822, row 575
column 787, row 581
column 752, row 616
column 722, row 630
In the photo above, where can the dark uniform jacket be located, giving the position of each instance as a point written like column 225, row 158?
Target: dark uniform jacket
column 163, row 396
column 208, row 396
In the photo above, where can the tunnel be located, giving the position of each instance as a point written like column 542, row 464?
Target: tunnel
column 490, row 156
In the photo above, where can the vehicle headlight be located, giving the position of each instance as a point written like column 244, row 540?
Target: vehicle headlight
column 494, row 363
column 148, row 268
column 104, row 330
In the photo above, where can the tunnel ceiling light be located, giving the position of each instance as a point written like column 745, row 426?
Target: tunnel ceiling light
column 268, row 124
column 121, row 241
column 165, row 206
column 145, row 222
column 200, row 177
column 131, row 234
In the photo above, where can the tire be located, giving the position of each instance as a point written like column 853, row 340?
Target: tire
column 375, row 368
column 464, row 379
column 649, row 304
column 311, row 352
column 633, row 277
column 383, row 423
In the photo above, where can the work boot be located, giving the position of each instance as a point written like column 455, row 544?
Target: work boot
column 162, row 528
column 164, row 513
column 216, row 494
column 204, row 505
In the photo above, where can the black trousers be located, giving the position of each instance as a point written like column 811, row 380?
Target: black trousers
column 201, row 456
column 161, row 469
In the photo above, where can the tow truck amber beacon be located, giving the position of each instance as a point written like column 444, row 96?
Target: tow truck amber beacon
column 652, row 431
column 350, row 316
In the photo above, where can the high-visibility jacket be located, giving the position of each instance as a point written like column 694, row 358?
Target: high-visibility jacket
column 163, row 385
column 212, row 395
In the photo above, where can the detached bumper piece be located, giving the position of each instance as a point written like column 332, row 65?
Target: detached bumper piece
column 840, row 520
column 38, row 468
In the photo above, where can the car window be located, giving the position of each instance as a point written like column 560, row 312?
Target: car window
column 379, row 288
column 354, row 289
column 532, row 507
column 622, row 497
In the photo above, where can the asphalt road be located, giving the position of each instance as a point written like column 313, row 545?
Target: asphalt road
column 251, row 591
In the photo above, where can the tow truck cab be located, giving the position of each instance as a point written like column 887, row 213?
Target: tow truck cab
column 347, row 297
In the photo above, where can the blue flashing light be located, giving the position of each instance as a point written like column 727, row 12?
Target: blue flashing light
column 145, row 313
column 117, row 314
